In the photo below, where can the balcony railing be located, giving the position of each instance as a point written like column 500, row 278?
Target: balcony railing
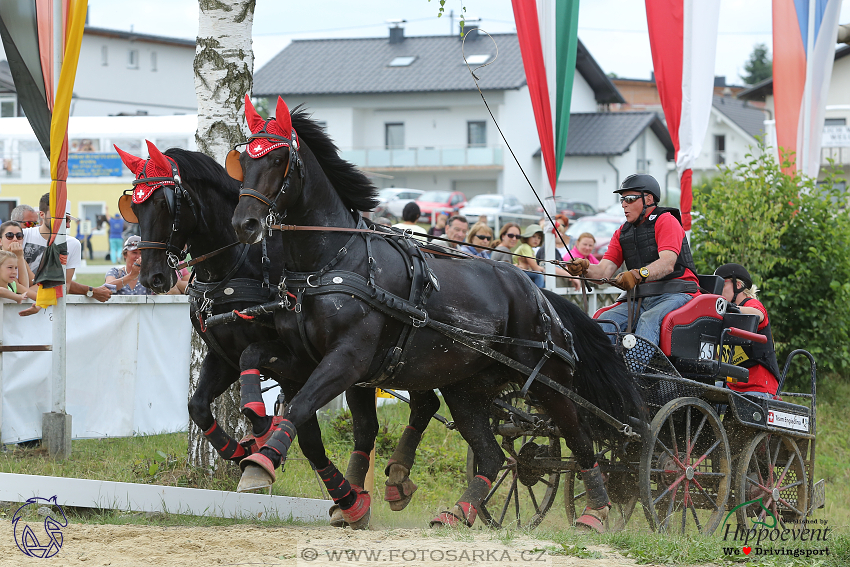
column 428, row 158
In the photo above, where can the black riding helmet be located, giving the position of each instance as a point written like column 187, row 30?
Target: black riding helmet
column 645, row 184
column 736, row 273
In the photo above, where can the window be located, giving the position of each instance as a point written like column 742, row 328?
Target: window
column 476, row 134
column 129, row 145
column 153, row 60
column 7, row 108
column 835, row 122
column 477, row 59
column 165, row 143
column 92, row 212
column 84, row 145
column 6, row 207
column 402, row 61
column 394, row 135
column 104, row 55
column 641, row 164
column 719, row 150
column 133, row 59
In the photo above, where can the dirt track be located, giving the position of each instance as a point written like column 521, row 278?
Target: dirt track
column 151, row 546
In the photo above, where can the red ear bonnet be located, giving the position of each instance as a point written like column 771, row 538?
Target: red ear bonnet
column 132, row 162
column 158, row 165
column 281, row 125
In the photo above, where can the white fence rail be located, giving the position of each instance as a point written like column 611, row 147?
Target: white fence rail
column 127, row 367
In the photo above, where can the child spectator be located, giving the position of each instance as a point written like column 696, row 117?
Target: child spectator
column 9, row 287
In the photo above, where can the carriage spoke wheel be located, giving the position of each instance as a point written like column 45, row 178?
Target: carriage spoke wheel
column 621, row 488
column 525, row 486
column 771, row 478
column 685, row 473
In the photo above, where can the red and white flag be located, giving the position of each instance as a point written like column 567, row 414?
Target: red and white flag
column 683, row 38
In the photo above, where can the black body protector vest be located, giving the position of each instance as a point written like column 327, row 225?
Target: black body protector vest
column 640, row 247
column 755, row 353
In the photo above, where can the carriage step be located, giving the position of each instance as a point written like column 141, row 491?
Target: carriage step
column 818, row 496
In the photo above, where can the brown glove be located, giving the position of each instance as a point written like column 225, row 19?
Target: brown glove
column 627, row 280
column 577, row 267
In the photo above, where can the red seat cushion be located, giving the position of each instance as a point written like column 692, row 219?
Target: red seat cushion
column 697, row 317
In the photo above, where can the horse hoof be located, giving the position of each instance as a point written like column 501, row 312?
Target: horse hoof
column 357, row 517
column 399, row 495
column 337, row 521
column 593, row 519
column 257, row 473
column 461, row 514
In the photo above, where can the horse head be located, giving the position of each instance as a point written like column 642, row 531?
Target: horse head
column 165, row 225
column 270, row 170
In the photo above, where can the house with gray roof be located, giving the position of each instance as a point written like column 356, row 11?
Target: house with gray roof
column 407, row 110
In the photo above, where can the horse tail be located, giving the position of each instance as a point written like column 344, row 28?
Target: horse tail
column 601, row 376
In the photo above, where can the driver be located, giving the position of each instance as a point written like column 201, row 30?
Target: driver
column 658, row 259
column 760, row 359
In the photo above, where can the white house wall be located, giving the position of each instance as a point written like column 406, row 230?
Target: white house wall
column 116, row 88
column 738, row 144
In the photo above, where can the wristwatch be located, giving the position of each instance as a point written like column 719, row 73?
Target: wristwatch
column 90, row 292
column 644, row 273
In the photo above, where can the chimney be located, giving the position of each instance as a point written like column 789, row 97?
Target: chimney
column 470, row 30
column 396, row 32
column 720, row 80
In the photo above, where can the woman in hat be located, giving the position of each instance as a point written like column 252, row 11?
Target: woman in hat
column 125, row 281
column 760, row 359
column 530, row 239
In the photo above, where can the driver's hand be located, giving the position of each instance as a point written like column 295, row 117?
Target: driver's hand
column 577, row 267
column 627, row 280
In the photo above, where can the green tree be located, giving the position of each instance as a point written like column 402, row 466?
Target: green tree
column 793, row 236
column 759, row 66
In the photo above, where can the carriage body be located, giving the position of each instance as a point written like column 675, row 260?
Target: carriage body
column 708, row 452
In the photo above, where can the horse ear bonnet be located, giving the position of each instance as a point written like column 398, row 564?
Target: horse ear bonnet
column 281, row 126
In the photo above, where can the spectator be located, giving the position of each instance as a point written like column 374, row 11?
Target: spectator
column 760, row 359
column 409, row 216
column 125, row 281
column 525, row 258
column 12, row 240
column 84, row 236
column 480, row 235
column 25, row 215
column 439, row 228
column 9, row 286
column 35, row 243
column 116, row 229
column 456, row 229
column 508, row 240
column 584, row 248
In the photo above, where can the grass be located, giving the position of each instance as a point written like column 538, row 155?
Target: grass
column 440, row 473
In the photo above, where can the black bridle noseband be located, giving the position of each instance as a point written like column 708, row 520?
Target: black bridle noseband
column 174, row 255
column 294, row 163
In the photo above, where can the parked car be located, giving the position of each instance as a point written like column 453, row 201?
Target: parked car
column 602, row 227
column 491, row 206
column 448, row 202
column 391, row 201
column 569, row 208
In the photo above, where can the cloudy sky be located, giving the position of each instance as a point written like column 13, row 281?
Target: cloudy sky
column 613, row 30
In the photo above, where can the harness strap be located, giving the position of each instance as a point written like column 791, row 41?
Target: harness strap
column 210, row 339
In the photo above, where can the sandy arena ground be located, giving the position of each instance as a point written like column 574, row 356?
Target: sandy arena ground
column 150, row 546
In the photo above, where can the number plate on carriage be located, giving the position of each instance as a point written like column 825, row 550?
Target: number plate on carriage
column 788, row 420
column 706, row 350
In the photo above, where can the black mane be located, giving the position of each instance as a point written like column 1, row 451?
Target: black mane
column 354, row 188
column 200, row 172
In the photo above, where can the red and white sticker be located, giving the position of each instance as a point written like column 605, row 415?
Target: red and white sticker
column 788, row 420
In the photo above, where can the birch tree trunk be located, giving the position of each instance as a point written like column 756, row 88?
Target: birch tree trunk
column 224, row 65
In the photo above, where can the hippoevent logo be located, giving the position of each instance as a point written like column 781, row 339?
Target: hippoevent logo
column 769, row 537
column 41, row 545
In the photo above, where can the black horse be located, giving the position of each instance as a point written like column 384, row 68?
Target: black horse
column 471, row 328
column 194, row 209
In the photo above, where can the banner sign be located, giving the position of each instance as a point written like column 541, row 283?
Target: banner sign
column 836, row 136
column 91, row 164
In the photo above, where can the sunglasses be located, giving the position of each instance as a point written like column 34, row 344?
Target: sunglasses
column 512, row 236
column 29, row 223
column 13, row 235
column 487, row 238
column 629, row 199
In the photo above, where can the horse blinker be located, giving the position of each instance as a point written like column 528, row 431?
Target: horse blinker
column 234, row 168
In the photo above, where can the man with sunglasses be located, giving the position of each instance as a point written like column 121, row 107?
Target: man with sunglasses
column 25, row 216
column 35, row 244
column 657, row 256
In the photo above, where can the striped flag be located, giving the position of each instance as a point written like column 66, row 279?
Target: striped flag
column 804, row 36
column 683, row 38
column 548, row 36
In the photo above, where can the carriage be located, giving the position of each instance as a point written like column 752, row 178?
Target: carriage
column 709, row 452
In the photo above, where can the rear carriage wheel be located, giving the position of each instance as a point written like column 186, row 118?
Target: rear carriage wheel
column 621, row 487
column 771, row 477
column 685, row 475
column 527, row 483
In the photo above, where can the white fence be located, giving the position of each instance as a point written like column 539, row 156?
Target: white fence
column 127, row 367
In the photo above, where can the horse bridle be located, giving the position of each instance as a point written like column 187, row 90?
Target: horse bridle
column 174, row 255
column 293, row 163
